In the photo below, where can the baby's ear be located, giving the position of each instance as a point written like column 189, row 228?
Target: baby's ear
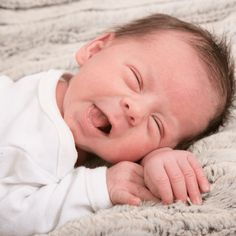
column 93, row 47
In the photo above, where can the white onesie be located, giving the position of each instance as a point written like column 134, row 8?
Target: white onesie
column 40, row 189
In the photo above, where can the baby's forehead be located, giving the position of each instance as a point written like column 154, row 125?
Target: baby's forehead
column 153, row 36
column 181, row 55
column 175, row 44
column 165, row 41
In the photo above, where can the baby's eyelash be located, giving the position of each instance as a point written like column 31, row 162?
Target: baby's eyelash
column 157, row 123
column 138, row 77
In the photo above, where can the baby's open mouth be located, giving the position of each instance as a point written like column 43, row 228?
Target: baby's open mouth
column 100, row 120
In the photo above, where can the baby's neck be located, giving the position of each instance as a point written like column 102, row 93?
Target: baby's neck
column 61, row 90
column 82, row 157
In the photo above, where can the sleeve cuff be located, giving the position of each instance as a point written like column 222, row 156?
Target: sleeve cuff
column 97, row 188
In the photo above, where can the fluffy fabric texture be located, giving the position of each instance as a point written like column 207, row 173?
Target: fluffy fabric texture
column 43, row 34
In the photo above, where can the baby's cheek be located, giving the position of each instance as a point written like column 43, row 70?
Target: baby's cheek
column 131, row 146
column 138, row 147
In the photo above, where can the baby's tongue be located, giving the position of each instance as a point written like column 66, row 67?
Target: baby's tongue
column 98, row 118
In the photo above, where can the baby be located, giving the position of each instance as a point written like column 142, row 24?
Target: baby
column 142, row 91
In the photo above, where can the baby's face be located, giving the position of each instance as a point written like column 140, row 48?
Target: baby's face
column 131, row 97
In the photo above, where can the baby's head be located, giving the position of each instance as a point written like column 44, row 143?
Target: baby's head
column 214, row 54
column 153, row 83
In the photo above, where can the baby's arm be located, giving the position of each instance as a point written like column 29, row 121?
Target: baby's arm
column 32, row 200
column 174, row 175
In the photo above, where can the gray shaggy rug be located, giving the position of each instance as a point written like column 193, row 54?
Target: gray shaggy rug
column 43, row 34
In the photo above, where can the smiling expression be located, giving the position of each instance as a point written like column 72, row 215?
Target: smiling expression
column 133, row 96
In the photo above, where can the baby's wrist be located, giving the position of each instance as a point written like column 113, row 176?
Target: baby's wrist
column 153, row 154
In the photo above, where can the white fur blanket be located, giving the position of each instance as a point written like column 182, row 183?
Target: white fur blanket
column 36, row 35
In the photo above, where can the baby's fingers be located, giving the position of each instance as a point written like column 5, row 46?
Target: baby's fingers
column 177, row 179
column 201, row 178
column 159, row 184
column 125, row 197
column 190, row 181
column 143, row 193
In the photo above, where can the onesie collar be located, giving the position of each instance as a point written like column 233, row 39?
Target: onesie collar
column 67, row 154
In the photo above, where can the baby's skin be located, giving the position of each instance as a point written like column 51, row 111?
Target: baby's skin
column 164, row 174
column 125, row 107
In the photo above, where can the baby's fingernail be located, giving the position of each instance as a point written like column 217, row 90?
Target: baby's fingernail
column 137, row 201
column 197, row 201
column 206, row 188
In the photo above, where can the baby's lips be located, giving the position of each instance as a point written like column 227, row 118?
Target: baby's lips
column 98, row 118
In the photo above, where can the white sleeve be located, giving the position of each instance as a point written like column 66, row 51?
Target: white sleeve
column 34, row 201
column 5, row 82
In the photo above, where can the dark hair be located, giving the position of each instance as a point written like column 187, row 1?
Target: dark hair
column 214, row 52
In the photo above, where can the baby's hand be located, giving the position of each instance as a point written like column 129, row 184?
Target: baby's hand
column 126, row 184
column 174, row 174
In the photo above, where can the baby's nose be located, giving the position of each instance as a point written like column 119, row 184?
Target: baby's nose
column 134, row 111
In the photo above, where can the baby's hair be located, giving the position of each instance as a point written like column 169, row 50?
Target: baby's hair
column 213, row 51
